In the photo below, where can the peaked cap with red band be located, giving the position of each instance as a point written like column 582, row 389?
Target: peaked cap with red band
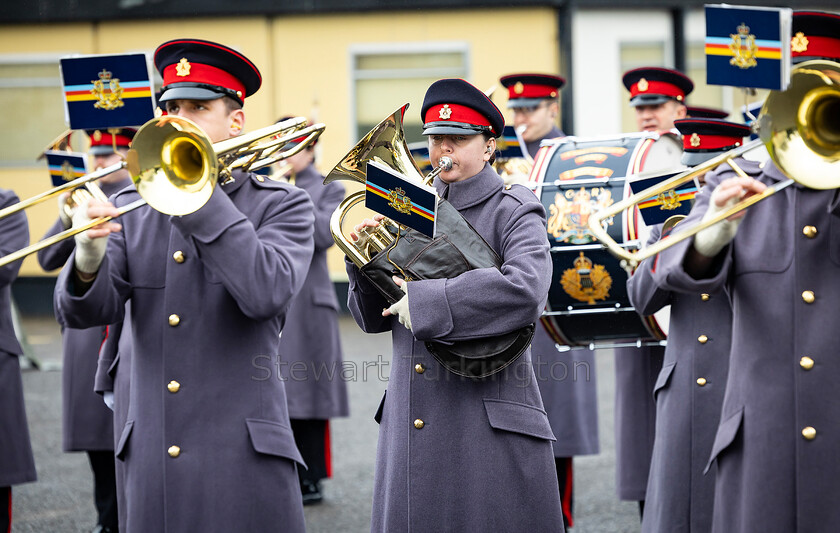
column 815, row 35
column 456, row 107
column 705, row 112
column 705, row 138
column 528, row 90
column 193, row 69
column 102, row 142
column 656, row 85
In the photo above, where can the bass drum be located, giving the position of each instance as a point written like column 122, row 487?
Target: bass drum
column 574, row 178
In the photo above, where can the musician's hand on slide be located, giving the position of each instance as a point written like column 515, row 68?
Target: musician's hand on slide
column 710, row 241
column 90, row 244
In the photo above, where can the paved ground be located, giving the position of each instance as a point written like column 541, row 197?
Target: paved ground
column 61, row 501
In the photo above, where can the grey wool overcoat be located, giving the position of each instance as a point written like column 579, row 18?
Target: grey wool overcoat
column 689, row 395
column 459, row 454
column 207, row 444
column 310, row 348
column 779, row 432
column 16, row 462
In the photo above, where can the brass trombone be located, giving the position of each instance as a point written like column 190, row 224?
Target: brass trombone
column 175, row 168
column 801, row 131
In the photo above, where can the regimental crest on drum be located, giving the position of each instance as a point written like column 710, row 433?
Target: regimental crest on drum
column 585, row 281
column 744, row 47
column 569, row 214
column 110, row 97
column 399, row 201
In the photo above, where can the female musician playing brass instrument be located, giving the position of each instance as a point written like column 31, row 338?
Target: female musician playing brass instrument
column 474, row 451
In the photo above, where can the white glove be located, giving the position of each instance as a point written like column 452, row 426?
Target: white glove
column 710, row 241
column 66, row 221
column 108, row 398
column 89, row 252
column 401, row 308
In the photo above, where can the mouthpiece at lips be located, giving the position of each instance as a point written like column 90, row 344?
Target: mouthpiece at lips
column 445, row 163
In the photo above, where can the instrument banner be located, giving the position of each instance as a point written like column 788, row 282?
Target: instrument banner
column 748, row 46
column 66, row 166
column 394, row 196
column 107, row 91
column 510, row 145
column 657, row 209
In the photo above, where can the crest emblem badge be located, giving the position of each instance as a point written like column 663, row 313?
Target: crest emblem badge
column 694, row 140
column 585, row 281
column 744, row 47
column 668, row 200
column 68, row 173
column 518, row 88
column 399, row 201
column 799, row 43
column 643, row 85
column 445, row 112
column 109, row 96
column 569, row 214
column 183, row 67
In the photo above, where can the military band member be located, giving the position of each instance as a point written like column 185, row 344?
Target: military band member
column 461, row 454
column 658, row 96
column 693, row 111
column 534, row 99
column 17, row 465
column 87, row 423
column 571, row 403
column 689, row 390
column 310, row 339
column 778, row 435
column 207, row 445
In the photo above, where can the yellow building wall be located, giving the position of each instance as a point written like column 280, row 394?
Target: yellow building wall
column 305, row 62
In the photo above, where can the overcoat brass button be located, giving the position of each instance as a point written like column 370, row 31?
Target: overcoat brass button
column 179, row 257
column 809, row 231
column 808, row 296
column 809, row 433
column 174, row 451
column 704, row 297
column 419, row 424
column 701, row 381
column 702, row 339
column 173, row 386
column 419, row 368
column 174, row 320
column 807, row 363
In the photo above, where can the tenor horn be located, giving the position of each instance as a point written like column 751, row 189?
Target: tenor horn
column 175, row 168
column 801, row 131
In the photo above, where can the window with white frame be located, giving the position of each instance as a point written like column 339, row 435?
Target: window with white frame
column 386, row 76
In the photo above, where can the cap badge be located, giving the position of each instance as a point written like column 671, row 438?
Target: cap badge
column 643, row 85
column 97, row 135
column 183, row 67
column 743, row 48
column 553, row 94
column 518, row 88
column 799, row 43
column 694, row 140
column 445, row 112
column 109, row 96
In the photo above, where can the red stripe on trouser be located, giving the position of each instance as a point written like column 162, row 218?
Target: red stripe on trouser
column 327, row 454
column 567, row 494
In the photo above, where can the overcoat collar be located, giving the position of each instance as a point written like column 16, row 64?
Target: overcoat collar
column 471, row 191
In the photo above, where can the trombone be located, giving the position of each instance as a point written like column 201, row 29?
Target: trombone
column 801, row 131
column 175, row 168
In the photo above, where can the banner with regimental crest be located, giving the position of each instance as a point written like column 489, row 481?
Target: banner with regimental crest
column 107, row 91
column 510, row 145
column 657, row 209
column 404, row 202
column 66, row 166
column 748, row 46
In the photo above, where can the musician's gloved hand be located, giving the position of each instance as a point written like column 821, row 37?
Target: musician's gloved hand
column 91, row 244
column 360, row 235
column 710, row 241
column 108, row 398
column 401, row 307
column 66, row 220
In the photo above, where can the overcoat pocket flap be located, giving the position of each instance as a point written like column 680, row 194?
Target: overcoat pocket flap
column 273, row 438
column 726, row 432
column 664, row 377
column 119, row 453
column 519, row 418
